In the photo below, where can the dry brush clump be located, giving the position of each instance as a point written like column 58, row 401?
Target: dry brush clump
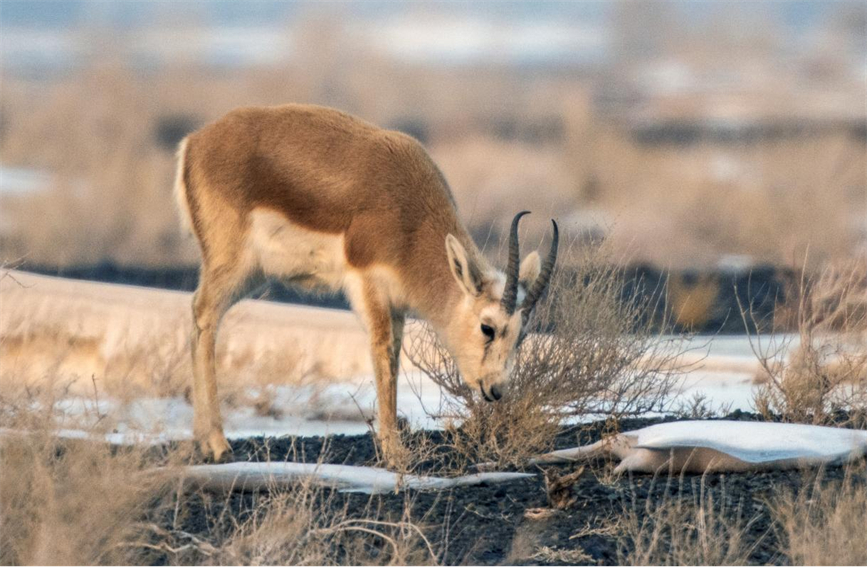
column 823, row 380
column 594, row 354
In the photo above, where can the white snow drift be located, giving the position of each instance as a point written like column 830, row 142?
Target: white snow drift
column 700, row 446
column 369, row 480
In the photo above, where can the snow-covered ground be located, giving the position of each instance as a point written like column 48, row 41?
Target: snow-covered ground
column 722, row 445
column 340, row 398
column 722, row 371
column 723, row 377
column 342, row 408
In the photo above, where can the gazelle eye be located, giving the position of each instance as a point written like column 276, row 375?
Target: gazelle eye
column 488, row 331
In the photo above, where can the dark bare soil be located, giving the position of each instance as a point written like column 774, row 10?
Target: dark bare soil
column 512, row 522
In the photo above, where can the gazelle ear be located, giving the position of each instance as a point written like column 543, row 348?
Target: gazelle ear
column 530, row 268
column 461, row 267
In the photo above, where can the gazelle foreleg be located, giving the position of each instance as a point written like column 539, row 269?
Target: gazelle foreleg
column 385, row 328
column 397, row 321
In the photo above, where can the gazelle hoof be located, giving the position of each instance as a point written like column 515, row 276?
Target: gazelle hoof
column 214, row 447
column 395, row 454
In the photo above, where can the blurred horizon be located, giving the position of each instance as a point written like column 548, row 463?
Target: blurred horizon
column 686, row 134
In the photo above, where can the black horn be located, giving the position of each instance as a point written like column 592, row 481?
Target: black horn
column 541, row 283
column 510, row 292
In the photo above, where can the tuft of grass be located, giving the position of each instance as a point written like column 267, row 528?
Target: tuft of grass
column 692, row 302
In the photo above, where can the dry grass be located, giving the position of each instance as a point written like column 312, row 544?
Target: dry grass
column 79, row 502
column 826, row 372
column 820, row 523
column 130, row 343
column 824, row 524
column 601, row 358
column 295, row 531
column 675, row 531
column 95, row 132
column 74, row 503
column 692, row 303
column 687, row 207
column 492, row 179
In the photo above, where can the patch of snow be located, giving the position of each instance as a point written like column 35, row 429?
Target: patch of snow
column 23, row 181
column 368, row 480
column 721, row 446
column 756, row 442
column 113, row 438
column 453, row 40
column 342, row 408
column 721, row 390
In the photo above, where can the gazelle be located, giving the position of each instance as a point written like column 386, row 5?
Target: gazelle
column 321, row 199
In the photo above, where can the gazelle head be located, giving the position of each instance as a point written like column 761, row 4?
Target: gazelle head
column 490, row 318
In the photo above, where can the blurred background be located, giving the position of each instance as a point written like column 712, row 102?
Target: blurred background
column 687, row 135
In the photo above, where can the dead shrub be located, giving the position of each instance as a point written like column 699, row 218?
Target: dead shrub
column 602, row 356
column 823, row 379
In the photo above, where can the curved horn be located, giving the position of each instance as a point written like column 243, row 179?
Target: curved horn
column 510, row 292
column 541, row 283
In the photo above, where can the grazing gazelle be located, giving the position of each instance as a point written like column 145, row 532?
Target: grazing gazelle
column 320, row 199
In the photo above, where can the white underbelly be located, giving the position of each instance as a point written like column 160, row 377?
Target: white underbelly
column 293, row 253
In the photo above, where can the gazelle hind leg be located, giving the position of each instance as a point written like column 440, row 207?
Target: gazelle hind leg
column 218, row 290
